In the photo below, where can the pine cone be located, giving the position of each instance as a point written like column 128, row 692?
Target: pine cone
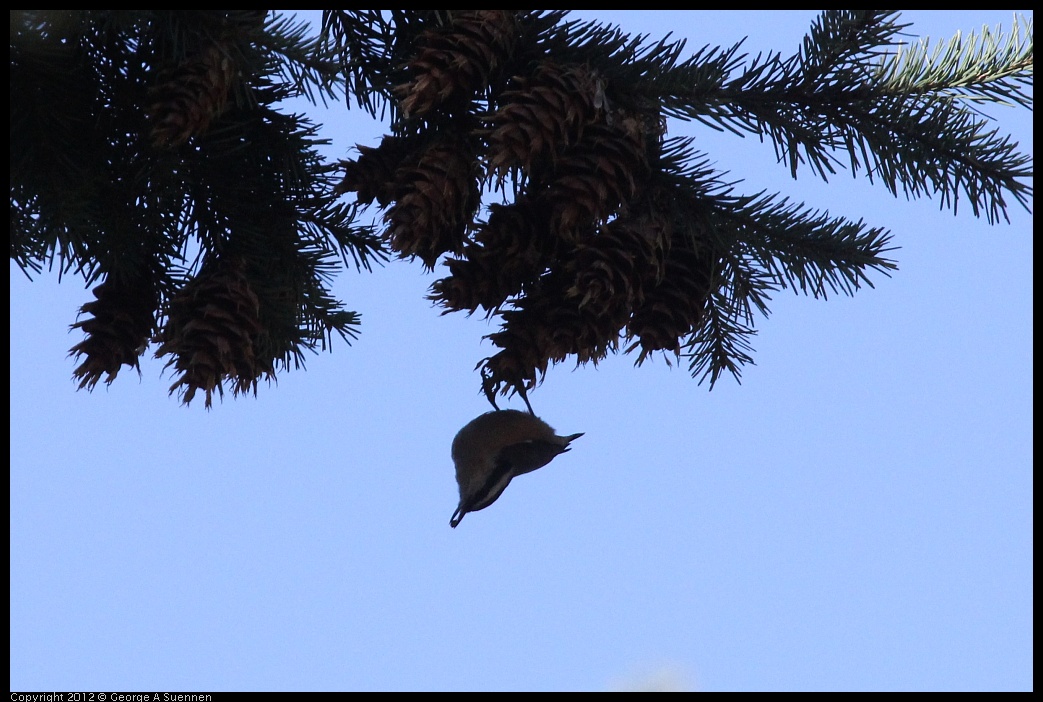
column 544, row 327
column 211, row 331
column 510, row 250
column 119, row 329
column 436, row 203
column 609, row 271
column 186, row 99
column 520, row 365
column 452, row 64
column 540, row 116
column 372, row 175
column 592, row 180
column 673, row 308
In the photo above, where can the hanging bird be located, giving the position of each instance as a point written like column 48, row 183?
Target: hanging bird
column 495, row 447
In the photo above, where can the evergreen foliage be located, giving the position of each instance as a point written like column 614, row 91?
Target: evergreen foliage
column 149, row 152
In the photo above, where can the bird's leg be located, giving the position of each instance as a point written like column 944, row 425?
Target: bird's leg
column 520, row 388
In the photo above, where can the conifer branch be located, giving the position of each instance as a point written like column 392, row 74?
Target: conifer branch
column 149, row 152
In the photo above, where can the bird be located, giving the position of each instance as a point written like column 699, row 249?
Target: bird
column 495, row 447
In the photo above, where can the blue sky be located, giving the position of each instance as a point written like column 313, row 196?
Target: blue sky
column 856, row 515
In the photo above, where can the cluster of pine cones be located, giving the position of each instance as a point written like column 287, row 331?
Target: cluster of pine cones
column 213, row 328
column 587, row 253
